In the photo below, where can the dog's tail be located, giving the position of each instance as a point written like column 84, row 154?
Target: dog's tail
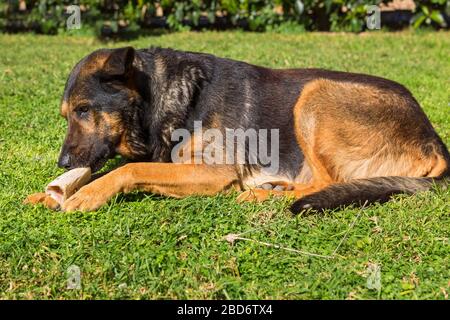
column 370, row 190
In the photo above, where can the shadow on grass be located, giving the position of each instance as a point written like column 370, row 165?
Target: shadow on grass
column 139, row 196
column 106, row 34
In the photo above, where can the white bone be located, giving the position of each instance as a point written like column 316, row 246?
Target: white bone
column 67, row 184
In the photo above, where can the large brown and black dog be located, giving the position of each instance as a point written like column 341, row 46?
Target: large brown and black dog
column 344, row 138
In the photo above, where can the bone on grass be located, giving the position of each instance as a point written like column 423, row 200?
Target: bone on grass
column 67, row 184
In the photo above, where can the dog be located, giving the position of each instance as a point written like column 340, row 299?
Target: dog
column 343, row 138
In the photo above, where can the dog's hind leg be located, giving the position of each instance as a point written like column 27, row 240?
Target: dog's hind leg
column 308, row 139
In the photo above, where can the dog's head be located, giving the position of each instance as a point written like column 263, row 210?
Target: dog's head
column 99, row 103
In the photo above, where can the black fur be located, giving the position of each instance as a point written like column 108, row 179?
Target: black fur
column 155, row 91
column 361, row 191
column 176, row 88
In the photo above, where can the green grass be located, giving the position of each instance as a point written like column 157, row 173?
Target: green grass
column 142, row 246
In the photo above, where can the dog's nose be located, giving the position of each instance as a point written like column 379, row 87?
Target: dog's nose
column 64, row 162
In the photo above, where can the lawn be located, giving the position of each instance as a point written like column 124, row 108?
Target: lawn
column 148, row 247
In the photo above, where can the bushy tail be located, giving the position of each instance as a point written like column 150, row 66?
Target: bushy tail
column 360, row 191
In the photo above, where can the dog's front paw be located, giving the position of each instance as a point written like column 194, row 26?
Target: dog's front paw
column 42, row 198
column 86, row 199
column 35, row 198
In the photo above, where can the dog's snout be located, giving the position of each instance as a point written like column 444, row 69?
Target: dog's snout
column 64, row 161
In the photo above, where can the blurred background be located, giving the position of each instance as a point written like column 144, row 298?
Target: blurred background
column 128, row 18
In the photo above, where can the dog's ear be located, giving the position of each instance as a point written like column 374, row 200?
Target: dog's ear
column 119, row 62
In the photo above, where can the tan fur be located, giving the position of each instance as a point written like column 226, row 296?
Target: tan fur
column 338, row 143
column 42, row 198
column 176, row 180
column 95, row 63
column 343, row 149
column 64, row 109
column 338, row 148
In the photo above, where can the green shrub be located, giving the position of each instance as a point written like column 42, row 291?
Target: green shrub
column 431, row 12
column 113, row 16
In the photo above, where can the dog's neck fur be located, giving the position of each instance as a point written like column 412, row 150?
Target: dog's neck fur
column 166, row 99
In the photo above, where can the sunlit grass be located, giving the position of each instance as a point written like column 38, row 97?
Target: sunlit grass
column 153, row 247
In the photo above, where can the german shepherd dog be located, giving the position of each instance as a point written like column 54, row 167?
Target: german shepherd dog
column 344, row 138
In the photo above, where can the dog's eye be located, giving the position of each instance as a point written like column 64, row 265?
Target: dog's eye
column 82, row 110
